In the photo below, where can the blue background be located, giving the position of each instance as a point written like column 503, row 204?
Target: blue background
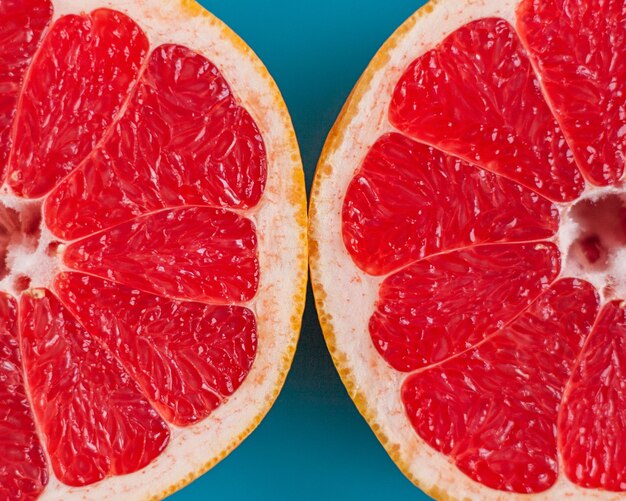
column 313, row 445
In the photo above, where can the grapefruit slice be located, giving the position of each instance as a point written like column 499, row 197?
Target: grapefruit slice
column 468, row 233
column 152, row 246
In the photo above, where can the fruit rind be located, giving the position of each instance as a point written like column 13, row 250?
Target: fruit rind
column 323, row 170
column 297, row 197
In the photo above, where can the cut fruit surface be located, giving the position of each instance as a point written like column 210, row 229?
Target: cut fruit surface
column 468, row 221
column 196, row 253
column 188, row 358
column 184, row 140
column 94, row 420
column 442, row 197
column 501, row 123
column 445, row 304
column 75, row 89
column 23, row 24
column 593, row 418
column 494, row 408
column 23, row 465
column 152, row 246
column 584, row 50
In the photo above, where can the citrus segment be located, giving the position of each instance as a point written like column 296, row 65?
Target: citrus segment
column 578, row 49
column 408, row 201
column 65, row 109
column 494, row 409
column 23, row 23
column 93, row 417
column 184, row 140
column 23, row 469
column 592, row 422
column 476, row 96
column 187, row 357
column 196, row 253
column 448, row 303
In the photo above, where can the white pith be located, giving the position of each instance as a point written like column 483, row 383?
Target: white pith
column 614, row 274
column 347, row 296
column 281, row 248
column 25, row 259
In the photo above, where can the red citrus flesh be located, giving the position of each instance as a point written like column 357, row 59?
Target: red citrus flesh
column 448, row 303
column 409, row 201
column 23, row 24
column 93, row 417
column 494, row 408
column 64, row 106
column 593, row 418
column 513, row 369
column 23, row 472
column 204, row 351
column 134, row 157
column 197, row 253
column 580, row 59
column 146, row 163
column 488, row 110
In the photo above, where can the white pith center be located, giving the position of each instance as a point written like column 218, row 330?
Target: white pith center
column 29, row 253
column 592, row 239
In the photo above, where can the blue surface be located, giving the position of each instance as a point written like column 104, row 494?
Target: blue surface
column 313, row 445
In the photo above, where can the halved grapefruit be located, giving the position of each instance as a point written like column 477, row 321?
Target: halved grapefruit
column 468, row 234
column 152, row 241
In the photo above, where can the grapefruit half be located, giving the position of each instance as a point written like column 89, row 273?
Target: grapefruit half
column 152, row 241
column 468, row 241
